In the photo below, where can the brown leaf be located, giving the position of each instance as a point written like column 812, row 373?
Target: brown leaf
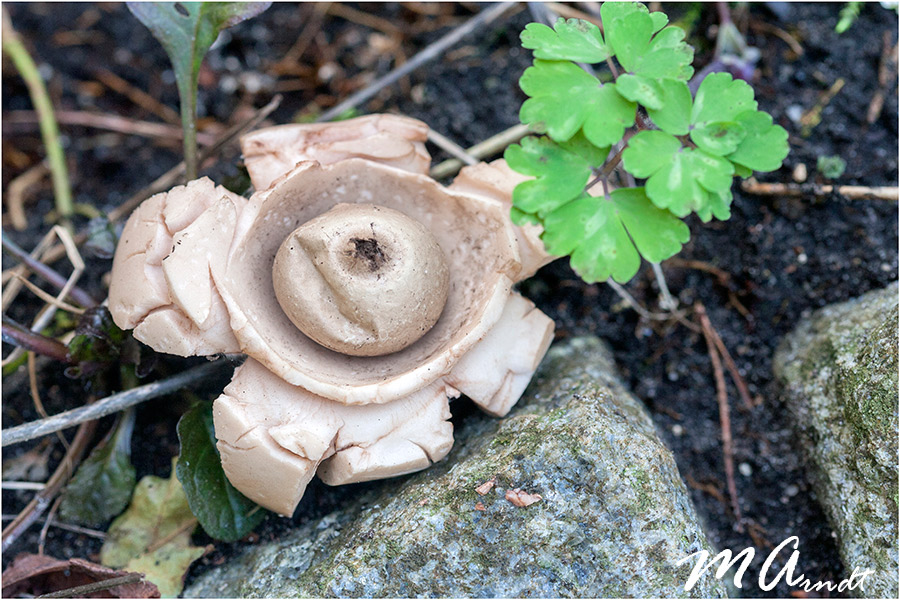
column 487, row 486
column 37, row 574
column 479, row 506
column 521, row 499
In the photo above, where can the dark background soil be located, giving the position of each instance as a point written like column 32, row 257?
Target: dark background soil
column 779, row 258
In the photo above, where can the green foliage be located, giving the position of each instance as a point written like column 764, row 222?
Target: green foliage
column 831, row 167
column 187, row 30
column 224, row 513
column 687, row 147
column 102, row 485
column 848, row 16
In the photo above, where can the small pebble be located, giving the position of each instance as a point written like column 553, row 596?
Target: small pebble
column 677, row 430
column 745, row 469
column 800, row 173
column 794, row 112
column 802, row 258
column 791, row 491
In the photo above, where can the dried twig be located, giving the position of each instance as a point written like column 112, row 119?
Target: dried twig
column 796, row 190
column 488, row 147
column 49, row 299
column 46, row 314
column 787, row 38
column 886, row 73
column 171, row 177
column 724, row 412
column 108, row 405
column 33, row 511
column 36, row 396
column 16, row 191
column 42, row 538
column 138, row 96
column 736, row 376
column 813, row 116
column 15, row 49
column 109, row 122
column 288, row 62
column 450, row 147
column 84, row 591
column 427, row 54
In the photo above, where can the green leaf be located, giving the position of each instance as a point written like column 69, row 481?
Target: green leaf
column 561, row 171
column 224, row 513
column 718, row 206
column 720, row 99
column 719, row 138
column 657, row 233
column 595, row 232
column 675, row 115
column 643, row 90
column 589, row 229
column 619, row 10
column 648, row 152
column 576, row 40
column 564, row 98
column 664, row 55
column 102, row 485
column 186, row 30
column 154, row 535
column 765, row 145
column 523, row 218
column 679, row 179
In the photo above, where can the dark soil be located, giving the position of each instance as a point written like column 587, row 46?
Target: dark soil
column 757, row 274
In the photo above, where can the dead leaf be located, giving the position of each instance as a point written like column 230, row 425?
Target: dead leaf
column 487, row 486
column 37, row 574
column 153, row 536
column 479, row 506
column 30, row 466
column 521, row 499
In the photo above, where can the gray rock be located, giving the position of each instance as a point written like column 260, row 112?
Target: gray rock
column 613, row 521
column 839, row 374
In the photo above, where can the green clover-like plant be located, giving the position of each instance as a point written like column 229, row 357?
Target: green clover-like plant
column 644, row 121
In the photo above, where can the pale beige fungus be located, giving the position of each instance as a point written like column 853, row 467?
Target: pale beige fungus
column 361, row 279
column 365, row 294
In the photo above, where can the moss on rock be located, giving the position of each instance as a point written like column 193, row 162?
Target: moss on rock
column 838, row 370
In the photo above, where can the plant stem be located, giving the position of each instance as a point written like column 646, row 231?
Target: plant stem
column 15, row 49
column 21, row 337
column 189, row 127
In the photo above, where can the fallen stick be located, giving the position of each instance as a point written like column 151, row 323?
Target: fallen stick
column 429, row 53
column 107, row 406
column 492, row 145
column 796, row 190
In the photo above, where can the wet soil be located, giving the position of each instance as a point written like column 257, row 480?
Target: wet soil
column 776, row 260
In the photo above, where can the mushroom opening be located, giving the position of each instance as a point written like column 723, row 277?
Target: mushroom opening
column 369, row 250
column 362, row 279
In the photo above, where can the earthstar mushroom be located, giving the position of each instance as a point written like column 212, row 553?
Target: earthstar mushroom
column 364, row 293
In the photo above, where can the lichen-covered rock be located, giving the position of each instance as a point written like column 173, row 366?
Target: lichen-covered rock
column 839, row 374
column 612, row 521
